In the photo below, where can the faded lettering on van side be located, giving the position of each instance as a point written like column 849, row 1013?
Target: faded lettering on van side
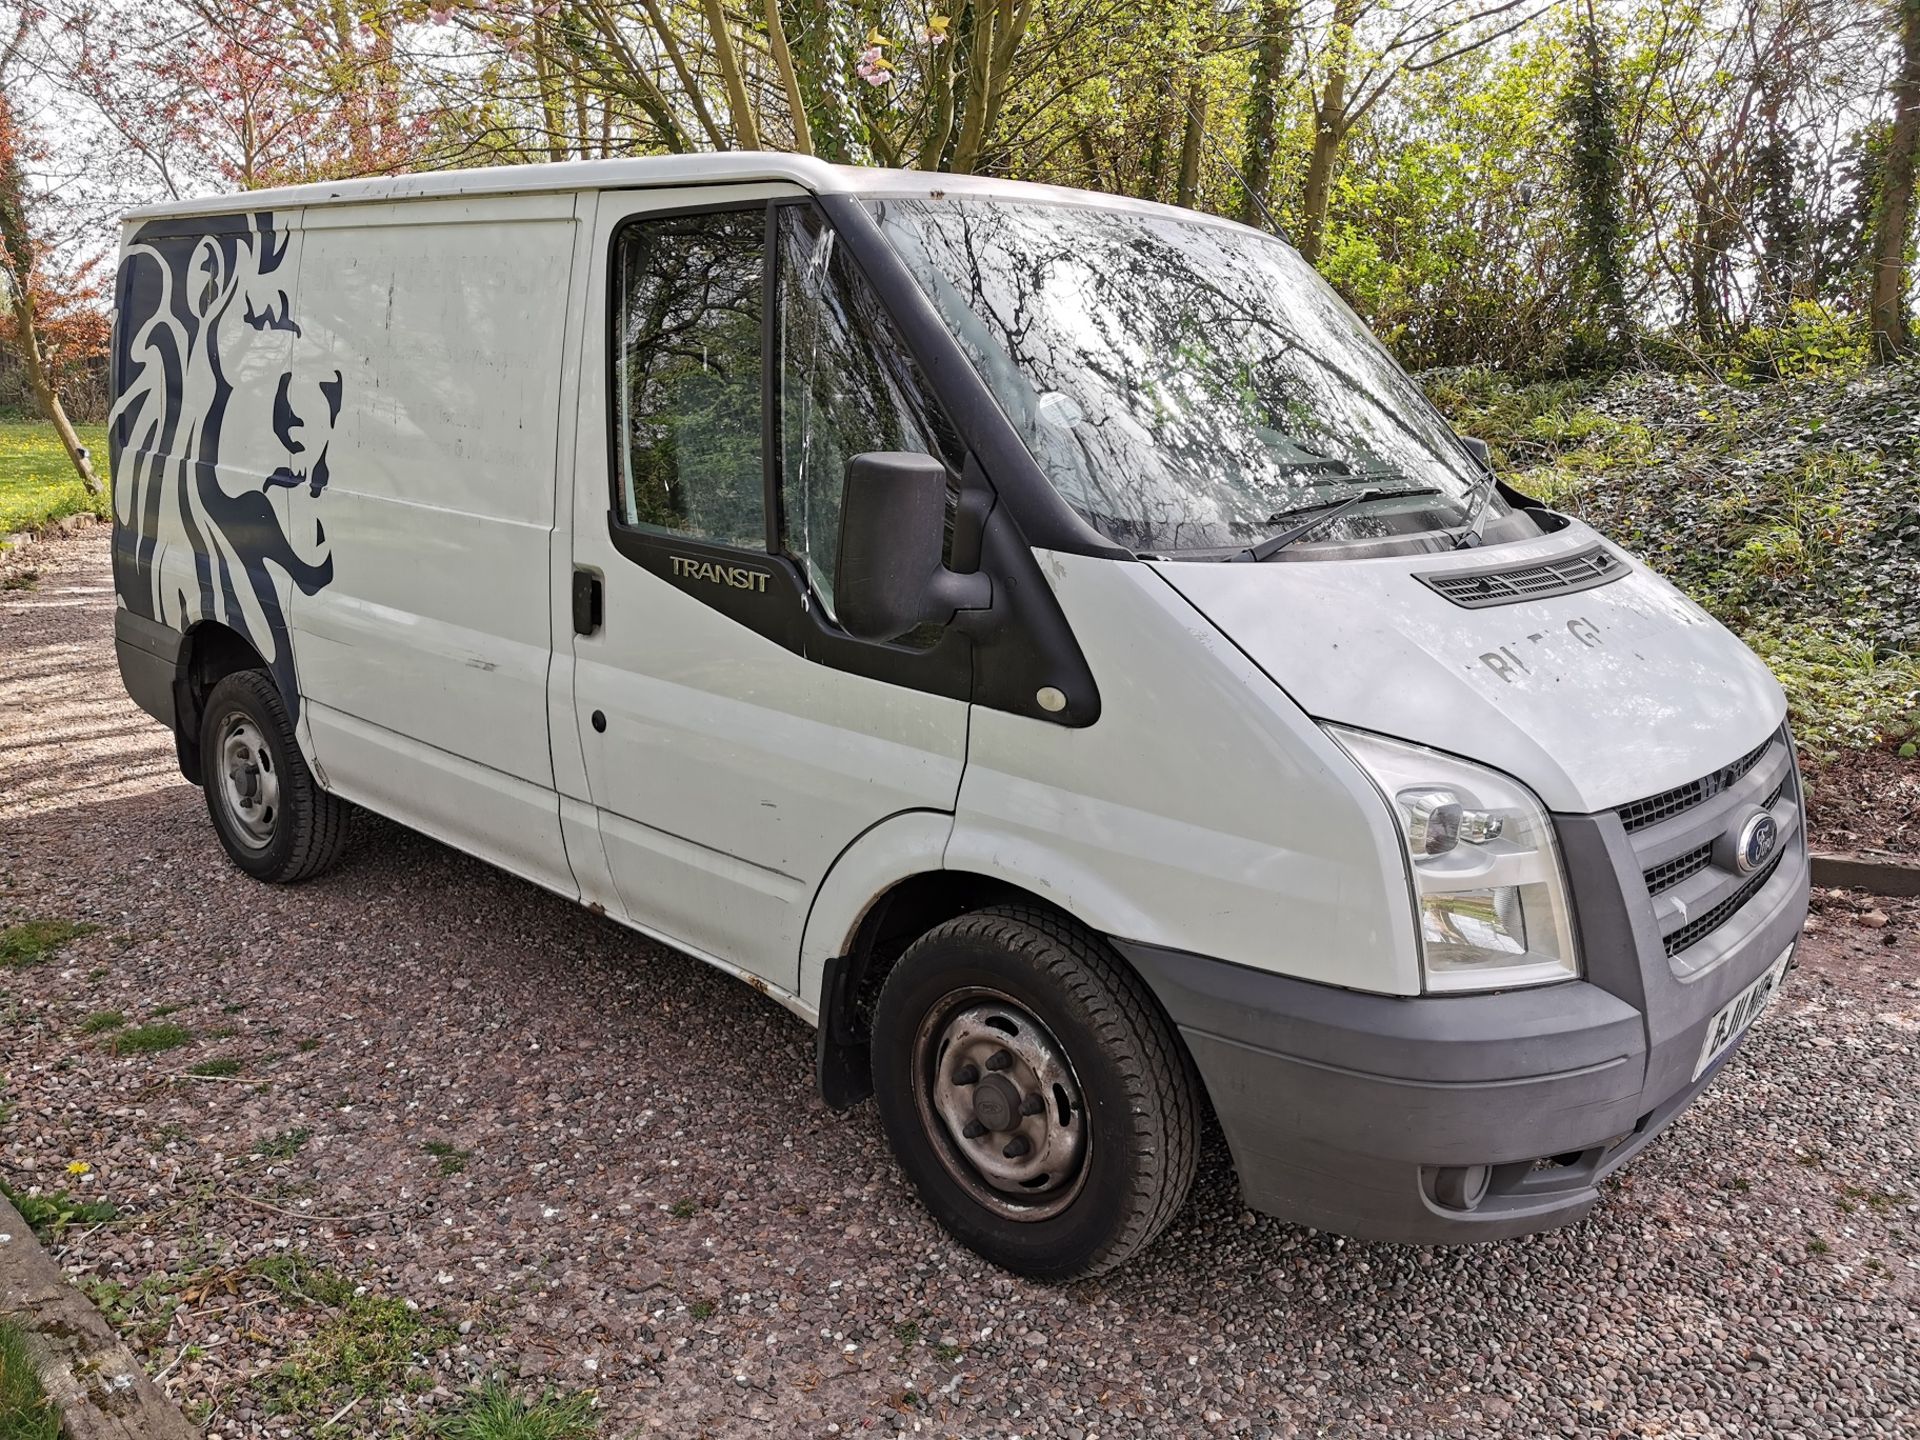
column 739, row 577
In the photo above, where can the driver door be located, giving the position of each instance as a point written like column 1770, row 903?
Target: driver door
column 735, row 740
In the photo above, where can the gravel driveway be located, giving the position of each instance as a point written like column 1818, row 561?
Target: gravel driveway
column 447, row 1125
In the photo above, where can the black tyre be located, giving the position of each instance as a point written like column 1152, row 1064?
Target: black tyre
column 271, row 815
column 1034, row 1093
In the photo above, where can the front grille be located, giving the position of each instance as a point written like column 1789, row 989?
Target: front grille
column 1678, row 833
column 1665, row 877
column 1668, row 803
column 1707, row 921
column 1562, row 575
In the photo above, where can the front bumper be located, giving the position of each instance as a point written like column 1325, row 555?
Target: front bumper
column 1343, row 1110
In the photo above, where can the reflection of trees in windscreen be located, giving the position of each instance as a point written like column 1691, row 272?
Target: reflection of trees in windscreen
column 1178, row 382
column 690, row 376
column 846, row 385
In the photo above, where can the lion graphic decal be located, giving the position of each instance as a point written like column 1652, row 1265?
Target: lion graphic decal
column 219, row 462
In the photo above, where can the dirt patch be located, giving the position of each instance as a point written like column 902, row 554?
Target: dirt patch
column 1864, row 800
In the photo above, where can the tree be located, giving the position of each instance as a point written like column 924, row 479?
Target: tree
column 1590, row 112
column 23, row 264
column 1893, row 216
column 1358, row 70
column 1273, row 45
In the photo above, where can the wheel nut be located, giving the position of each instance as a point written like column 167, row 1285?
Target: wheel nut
column 999, row 1060
column 973, row 1130
column 968, row 1074
column 1017, row 1147
column 1032, row 1105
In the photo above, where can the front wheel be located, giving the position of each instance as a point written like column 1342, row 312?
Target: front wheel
column 1034, row 1093
column 273, row 819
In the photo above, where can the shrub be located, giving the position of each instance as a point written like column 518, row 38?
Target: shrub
column 1810, row 343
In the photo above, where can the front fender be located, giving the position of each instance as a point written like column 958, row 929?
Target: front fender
column 898, row 848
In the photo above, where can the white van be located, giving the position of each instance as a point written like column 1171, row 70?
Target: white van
column 1039, row 638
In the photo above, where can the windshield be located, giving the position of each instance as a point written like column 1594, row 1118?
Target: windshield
column 1181, row 382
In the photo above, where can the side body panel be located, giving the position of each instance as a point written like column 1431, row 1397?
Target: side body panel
column 1204, row 812
column 727, row 771
column 212, row 381
column 424, row 662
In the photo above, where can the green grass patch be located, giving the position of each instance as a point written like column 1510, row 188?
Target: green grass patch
column 34, row 941
column 283, row 1146
column 451, row 1157
column 216, row 1069
column 25, row 1411
column 371, row 1346
column 150, row 1039
column 37, row 482
column 47, row 1215
column 294, row 1279
column 23, row 580
column 144, row 1310
column 495, row 1413
column 100, row 1021
column 1843, row 691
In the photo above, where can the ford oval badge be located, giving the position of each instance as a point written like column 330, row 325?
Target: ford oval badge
column 1758, row 839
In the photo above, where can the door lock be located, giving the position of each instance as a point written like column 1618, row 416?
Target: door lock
column 588, row 604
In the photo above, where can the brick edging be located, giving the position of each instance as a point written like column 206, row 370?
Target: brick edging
column 101, row 1389
column 1881, row 874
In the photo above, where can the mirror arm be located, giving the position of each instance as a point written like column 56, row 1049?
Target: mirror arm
column 960, row 599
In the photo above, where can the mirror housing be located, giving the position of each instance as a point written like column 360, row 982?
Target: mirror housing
column 889, row 576
column 1479, row 449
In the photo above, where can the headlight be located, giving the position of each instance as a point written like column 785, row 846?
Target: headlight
column 1488, row 892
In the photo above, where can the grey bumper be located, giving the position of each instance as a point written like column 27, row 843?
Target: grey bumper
column 1344, row 1109
column 149, row 655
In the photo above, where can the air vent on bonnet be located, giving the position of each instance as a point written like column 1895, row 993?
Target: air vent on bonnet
column 1562, row 575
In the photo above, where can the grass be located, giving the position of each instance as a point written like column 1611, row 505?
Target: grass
column 494, row 1413
column 37, row 483
column 216, row 1069
column 101, row 1021
column 283, row 1146
column 25, row 1411
column 294, row 1279
column 371, row 1347
column 451, row 1157
column 48, row 1215
column 33, row 941
column 150, row 1039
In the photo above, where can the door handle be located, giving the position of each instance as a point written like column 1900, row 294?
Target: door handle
column 588, row 605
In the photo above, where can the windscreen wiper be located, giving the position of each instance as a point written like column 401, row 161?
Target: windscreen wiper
column 1478, row 505
column 1327, row 510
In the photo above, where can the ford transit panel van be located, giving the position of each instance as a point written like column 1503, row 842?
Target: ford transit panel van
column 1041, row 639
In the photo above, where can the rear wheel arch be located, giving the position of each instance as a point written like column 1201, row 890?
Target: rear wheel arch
column 213, row 651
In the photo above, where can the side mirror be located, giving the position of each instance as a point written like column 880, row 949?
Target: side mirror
column 889, row 577
column 1479, row 449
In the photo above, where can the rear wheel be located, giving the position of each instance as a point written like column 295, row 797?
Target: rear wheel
column 1034, row 1093
column 271, row 815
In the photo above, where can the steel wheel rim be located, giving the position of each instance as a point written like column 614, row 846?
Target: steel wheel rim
column 249, row 781
column 1022, row 1096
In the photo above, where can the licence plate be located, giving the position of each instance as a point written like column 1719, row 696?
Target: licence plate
column 1735, row 1017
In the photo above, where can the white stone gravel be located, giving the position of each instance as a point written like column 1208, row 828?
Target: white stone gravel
column 654, row 1206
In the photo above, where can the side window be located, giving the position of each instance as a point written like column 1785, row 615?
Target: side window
column 687, row 375
column 846, row 386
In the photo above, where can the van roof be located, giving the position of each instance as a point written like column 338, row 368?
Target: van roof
column 724, row 167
